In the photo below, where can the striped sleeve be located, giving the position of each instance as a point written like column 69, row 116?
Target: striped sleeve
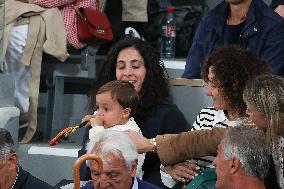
column 205, row 119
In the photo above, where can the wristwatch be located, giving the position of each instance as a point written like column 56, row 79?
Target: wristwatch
column 154, row 144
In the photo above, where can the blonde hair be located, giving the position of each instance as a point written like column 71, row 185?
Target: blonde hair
column 266, row 93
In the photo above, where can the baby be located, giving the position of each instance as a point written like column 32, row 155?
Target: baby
column 116, row 102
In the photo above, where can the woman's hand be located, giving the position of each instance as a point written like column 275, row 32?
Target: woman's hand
column 183, row 172
column 143, row 145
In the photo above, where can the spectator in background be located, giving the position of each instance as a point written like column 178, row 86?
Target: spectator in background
column 68, row 10
column 242, row 159
column 47, row 31
column 278, row 6
column 226, row 72
column 134, row 60
column 250, row 24
column 12, row 174
column 120, row 157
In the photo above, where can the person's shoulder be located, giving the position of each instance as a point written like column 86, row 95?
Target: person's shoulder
column 146, row 185
column 210, row 111
column 275, row 3
column 215, row 16
column 265, row 14
column 219, row 10
column 33, row 182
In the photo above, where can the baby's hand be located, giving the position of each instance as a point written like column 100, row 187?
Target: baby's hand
column 87, row 118
column 96, row 120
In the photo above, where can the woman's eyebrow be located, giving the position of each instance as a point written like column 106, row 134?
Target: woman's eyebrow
column 136, row 60
column 120, row 61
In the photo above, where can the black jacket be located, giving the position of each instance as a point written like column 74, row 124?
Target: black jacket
column 275, row 3
column 26, row 181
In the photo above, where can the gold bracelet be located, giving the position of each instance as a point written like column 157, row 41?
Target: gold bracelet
column 154, row 144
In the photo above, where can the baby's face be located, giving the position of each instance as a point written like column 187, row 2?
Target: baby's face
column 110, row 111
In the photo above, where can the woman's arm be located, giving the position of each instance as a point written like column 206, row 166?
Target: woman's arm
column 187, row 145
column 174, row 148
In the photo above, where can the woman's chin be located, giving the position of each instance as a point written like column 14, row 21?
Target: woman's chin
column 137, row 88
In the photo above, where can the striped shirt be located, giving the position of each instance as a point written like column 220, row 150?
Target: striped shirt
column 210, row 117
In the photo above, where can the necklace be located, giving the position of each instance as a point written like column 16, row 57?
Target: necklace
column 18, row 170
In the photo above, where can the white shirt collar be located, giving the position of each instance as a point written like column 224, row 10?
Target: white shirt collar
column 135, row 183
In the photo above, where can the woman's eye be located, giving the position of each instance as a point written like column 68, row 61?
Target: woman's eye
column 106, row 109
column 120, row 67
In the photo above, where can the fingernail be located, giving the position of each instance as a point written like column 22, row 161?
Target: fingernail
column 197, row 167
column 196, row 175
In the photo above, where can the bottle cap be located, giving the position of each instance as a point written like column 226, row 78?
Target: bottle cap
column 170, row 9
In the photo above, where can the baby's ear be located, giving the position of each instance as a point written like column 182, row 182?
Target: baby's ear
column 126, row 112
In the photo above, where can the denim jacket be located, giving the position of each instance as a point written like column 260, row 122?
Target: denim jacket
column 263, row 34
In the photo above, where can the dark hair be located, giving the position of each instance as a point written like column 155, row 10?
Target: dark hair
column 155, row 86
column 233, row 67
column 6, row 143
column 123, row 92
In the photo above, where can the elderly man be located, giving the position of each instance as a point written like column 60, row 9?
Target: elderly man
column 243, row 159
column 120, row 157
column 11, row 174
column 250, row 24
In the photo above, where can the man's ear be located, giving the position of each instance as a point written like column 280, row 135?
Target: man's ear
column 133, row 168
column 13, row 160
column 126, row 112
column 235, row 165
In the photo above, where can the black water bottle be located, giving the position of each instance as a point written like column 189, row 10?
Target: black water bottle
column 168, row 34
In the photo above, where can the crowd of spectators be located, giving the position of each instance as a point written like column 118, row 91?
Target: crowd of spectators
column 238, row 50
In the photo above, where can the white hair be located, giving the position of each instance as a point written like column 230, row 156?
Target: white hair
column 6, row 144
column 114, row 142
column 249, row 145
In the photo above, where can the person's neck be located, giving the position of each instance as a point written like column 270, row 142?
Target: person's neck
column 8, row 182
column 232, row 114
column 246, row 181
column 238, row 12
